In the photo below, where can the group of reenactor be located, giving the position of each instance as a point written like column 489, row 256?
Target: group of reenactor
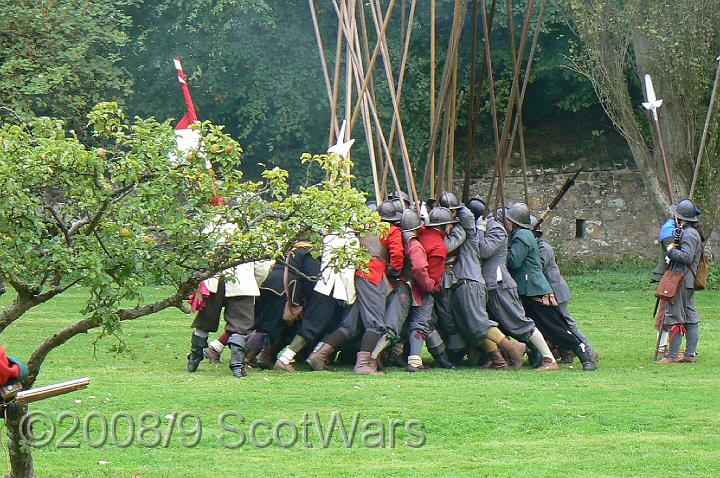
column 476, row 287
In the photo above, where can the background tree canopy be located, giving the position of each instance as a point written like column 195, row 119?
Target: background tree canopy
column 253, row 66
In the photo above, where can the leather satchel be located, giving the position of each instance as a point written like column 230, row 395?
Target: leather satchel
column 292, row 312
column 703, row 270
column 670, row 285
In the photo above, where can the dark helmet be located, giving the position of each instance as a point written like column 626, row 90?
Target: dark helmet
column 371, row 204
column 410, row 220
column 478, row 207
column 388, row 212
column 398, row 205
column 441, row 216
column 430, row 203
column 449, row 200
column 686, row 210
column 519, row 214
column 399, row 194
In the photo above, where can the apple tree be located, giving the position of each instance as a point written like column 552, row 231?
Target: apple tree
column 133, row 210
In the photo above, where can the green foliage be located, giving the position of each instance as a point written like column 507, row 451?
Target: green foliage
column 58, row 58
column 137, row 210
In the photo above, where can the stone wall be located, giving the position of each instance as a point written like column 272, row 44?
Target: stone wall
column 606, row 213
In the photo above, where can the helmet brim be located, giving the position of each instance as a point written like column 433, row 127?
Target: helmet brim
column 433, row 224
column 521, row 224
column 413, row 228
column 394, row 218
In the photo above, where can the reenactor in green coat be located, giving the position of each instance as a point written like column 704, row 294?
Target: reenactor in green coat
column 535, row 292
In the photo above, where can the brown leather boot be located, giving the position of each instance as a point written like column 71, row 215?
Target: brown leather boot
column 320, row 357
column 264, row 360
column 515, row 351
column 548, row 364
column 373, row 364
column 668, row 359
column 250, row 358
column 497, row 361
column 688, row 359
column 362, row 364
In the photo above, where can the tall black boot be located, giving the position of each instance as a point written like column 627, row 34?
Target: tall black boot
column 237, row 356
column 197, row 344
column 436, row 347
column 441, row 358
column 587, row 361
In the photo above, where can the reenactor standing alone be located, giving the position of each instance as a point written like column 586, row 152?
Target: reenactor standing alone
column 681, row 318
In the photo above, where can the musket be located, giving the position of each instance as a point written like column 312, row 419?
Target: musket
column 563, row 191
column 41, row 393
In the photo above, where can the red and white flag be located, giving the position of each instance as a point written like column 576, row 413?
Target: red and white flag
column 188, row 138
column 191, row 116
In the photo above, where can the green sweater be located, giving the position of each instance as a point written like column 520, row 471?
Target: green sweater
column 525, row 264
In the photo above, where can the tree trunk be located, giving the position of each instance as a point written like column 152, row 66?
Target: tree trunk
column 21, row 460
column 610, row 79
column 675, row 123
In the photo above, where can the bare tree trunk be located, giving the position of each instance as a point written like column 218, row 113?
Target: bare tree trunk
column 21, row 460
column 619, row 106
column 673, row 120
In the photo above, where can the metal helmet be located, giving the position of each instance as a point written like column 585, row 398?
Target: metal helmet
column 519, row 214
column 449, row 200
column 478, row 207
column 388, row 212
column 686, row 210
column 410, row 220
column 398, row 205
column 441, row 216
column 430, row 203
column 399, row 194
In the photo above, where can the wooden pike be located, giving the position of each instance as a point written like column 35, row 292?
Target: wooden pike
column 375, row 8
column 431, row 157
column 336, row 83
column 373, row 59
column 472, row 112
column 325, row 70
column 653, row 104
column 502, row 150
column 520, row 130
column 526, row 80
column 48, row 391
column 701, row 151
column 443, row 90
column 401, row 80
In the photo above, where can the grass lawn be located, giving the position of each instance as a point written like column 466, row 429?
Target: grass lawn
column 630, row 418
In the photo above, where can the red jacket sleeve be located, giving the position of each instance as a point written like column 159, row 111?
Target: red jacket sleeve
column 420, row 272
column 394, row 243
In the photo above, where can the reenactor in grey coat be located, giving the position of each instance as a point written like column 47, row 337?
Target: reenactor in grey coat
column 681, row 317
column 503, row 302
column 551, row 271
column 469, row 292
